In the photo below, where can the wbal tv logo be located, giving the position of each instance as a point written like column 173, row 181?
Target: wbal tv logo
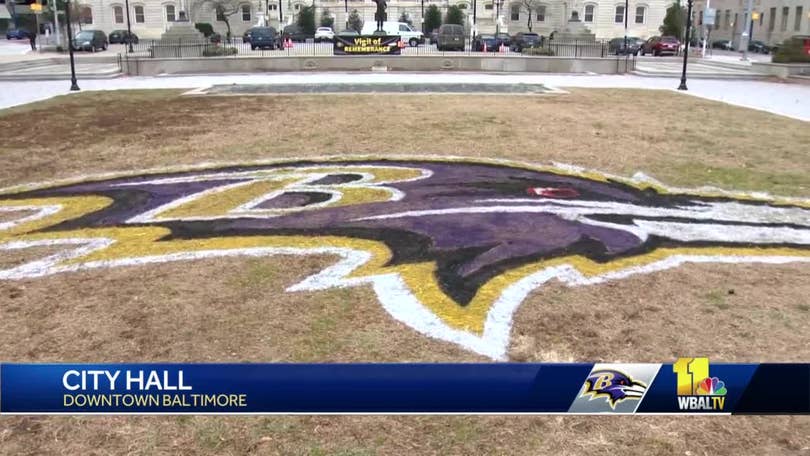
column 697, row 391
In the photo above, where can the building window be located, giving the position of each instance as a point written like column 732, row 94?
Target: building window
column 700, row 17
column 515, row 10
column 772, row 20
column 761, row 18
column 140, row 18
column 728, row 19
column 541, row 13
column 589, row 13
column 272, row 7
column 619, row 17
column 298, row 7
column 462, row 6
column 246, row 13
column 488, row 6
column 118, row 14
column 85, row 15
column 170, row 13
column 799, row 13
column 785, row 13
column 640, row 13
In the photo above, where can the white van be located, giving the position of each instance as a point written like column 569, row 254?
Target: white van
column 403, row 30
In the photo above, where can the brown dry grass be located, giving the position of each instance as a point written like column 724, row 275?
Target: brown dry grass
column 237, row 310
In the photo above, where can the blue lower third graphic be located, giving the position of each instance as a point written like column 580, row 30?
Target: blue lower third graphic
column 289, row 388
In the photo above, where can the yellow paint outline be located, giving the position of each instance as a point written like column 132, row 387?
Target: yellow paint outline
column 420, row 278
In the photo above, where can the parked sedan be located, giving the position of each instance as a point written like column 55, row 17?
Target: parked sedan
column 18, row 34
column 726, row 45
column 504, row 38
column 485, row 42
column 661, row 45
column 122, row 37
column 90, row 40
column 295, row 33
column 324, row 34
column 759, row 47
column 524, row 40
column 616, row 46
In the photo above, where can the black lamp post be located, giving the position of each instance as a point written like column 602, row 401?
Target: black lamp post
column 129, row 28
column 626, row 13
column 686, row 48
column 74, row 86
column 280, row 16
column 346, row 12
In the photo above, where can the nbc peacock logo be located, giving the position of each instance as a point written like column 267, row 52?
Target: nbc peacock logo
column 697, row 391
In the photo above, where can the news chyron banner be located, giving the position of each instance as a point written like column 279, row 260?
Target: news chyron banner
column 688, row 386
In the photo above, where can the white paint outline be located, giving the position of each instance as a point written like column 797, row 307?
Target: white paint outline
column 390, row 288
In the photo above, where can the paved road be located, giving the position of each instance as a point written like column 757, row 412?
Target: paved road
column 13, row 47
column 785, row 99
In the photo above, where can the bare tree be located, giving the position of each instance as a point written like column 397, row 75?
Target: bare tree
column 224, row 9
column 530, row 7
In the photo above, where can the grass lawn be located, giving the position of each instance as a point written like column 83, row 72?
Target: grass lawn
column 236, row 309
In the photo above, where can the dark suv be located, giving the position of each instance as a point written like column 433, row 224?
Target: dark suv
column 123, row 37
column 522, row 41
column 90, row 40
column 263, row 38
column 450, row 38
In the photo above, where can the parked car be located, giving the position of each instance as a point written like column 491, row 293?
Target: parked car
column 504, row 39
column 401, row 29
column 726, row 45
column 616, row 46
column 263, row 38
column 295, row 33
column 122, row 37
column 90, row 40
column 18, row 34
column 661, row 45
column 524, row 40
column 492, row 43
column 324, row 34
column 759, row 47
column 349, row 32
column 450, row 38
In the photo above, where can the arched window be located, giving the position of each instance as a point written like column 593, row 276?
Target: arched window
column 641, row 12
column 85, row 15
column 118, row 14
column 589, row 9
column 541, row 13
column 246, row 13
column 515, row 12
column 619, row 19
column 462, row 6
column 170, row 16
column 140, row 17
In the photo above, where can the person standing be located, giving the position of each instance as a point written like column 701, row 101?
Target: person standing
column 32, row 38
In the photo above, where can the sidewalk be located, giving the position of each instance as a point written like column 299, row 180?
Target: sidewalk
column 784, row 99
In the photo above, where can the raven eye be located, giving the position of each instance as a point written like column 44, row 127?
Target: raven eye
column 553, row 192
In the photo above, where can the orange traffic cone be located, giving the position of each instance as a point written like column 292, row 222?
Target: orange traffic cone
column 502, row 48
column 288, row 43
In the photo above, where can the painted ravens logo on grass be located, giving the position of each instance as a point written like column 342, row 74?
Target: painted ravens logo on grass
column 614, row 386
column 450, row 246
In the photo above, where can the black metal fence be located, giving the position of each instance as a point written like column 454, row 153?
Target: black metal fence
column 236, row 47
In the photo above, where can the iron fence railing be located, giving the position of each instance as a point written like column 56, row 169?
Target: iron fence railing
column 235, row 47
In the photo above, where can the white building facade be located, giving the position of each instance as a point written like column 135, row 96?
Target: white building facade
column 775, row 20
column 605, row 18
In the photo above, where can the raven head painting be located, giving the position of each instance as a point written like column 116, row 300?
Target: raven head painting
column 450, row 246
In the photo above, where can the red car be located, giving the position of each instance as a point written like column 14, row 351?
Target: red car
column 661, row 45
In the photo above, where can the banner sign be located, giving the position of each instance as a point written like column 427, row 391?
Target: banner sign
column 367, row 45
column 689, row 385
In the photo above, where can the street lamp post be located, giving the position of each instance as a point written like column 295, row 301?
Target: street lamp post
column 129, row 28
column 745, row 37
column 74, row 86
column 686, row 48
column 346, row 13
column 626, row 13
